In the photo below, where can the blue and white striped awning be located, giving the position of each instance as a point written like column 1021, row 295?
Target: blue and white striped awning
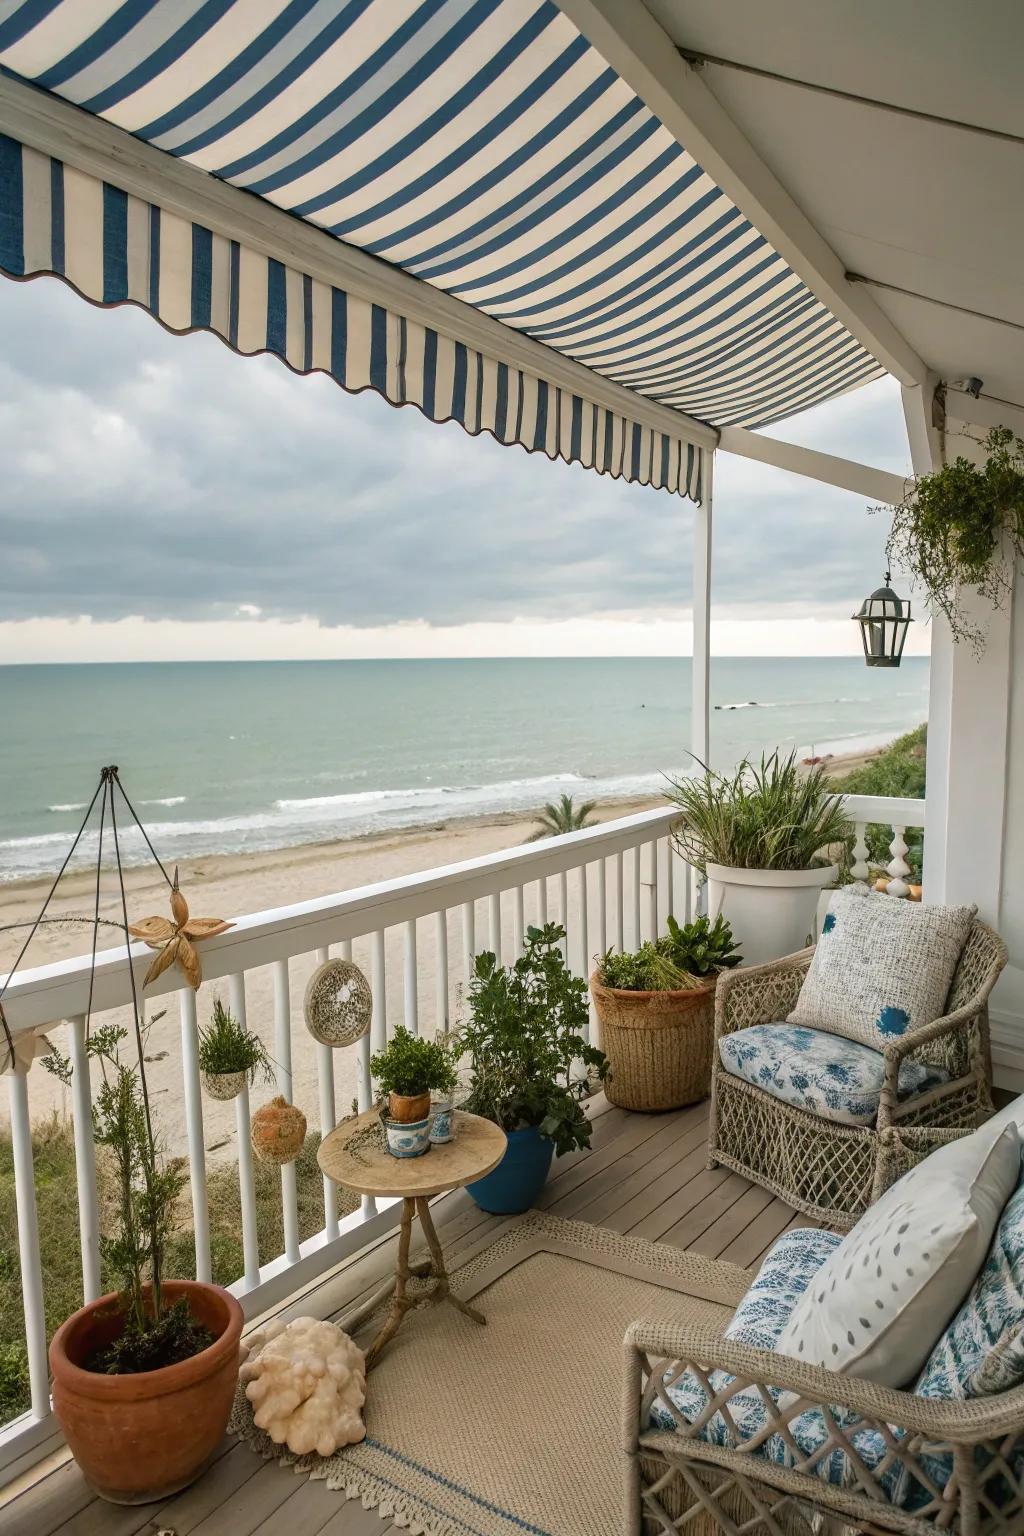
column 480, row 146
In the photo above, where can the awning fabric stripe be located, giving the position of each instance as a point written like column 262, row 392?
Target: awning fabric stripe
column 481, row 146
column 116, row 249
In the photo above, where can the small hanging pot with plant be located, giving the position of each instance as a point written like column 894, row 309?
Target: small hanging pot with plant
column 963, row 526
column 229, row 1056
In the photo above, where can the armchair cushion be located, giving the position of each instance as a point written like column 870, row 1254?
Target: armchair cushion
column 825, row 1074
column 881, row 968
column 788, row 1269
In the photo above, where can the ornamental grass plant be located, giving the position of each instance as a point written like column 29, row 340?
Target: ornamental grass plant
column 766, row 815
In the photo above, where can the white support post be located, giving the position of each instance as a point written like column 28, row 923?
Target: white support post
column 28, row 1244
column 194, row 1128
column 243, row 1130
column 700, row 718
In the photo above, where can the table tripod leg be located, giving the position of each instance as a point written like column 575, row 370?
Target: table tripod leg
column 400, row 1302
column 442, row 1289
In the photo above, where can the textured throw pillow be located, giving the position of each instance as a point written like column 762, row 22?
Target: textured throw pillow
column 881, row 1300
column 881, row 967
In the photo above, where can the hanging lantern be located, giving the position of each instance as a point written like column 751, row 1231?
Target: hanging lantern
column 884, row 620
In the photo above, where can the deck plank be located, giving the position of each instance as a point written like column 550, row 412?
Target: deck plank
column 644, row 1175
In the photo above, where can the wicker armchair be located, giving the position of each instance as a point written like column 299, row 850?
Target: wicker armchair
column 679, row 1482
column 832, row 1171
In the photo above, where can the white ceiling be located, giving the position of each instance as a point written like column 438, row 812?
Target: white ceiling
column 921, row 205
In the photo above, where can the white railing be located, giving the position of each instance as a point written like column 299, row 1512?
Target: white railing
column 895, row 814
column 610, row 886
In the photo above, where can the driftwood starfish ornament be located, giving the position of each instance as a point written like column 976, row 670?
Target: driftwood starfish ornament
column 177, row 940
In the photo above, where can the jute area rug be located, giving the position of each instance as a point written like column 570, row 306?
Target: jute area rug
column 516, row 1427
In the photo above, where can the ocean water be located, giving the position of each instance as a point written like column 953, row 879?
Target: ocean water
column 223, row 757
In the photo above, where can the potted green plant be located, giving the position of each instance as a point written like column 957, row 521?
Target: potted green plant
column 762, row 836
column 656, row 1009
column 229, row 1056
column 957, row 527
column 407, row 1072
column 530, row 1065
column 159, row 1356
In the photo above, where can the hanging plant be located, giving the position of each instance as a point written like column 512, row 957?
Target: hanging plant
column 949, row 532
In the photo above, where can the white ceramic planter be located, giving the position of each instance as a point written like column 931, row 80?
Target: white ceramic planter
column 772, row 911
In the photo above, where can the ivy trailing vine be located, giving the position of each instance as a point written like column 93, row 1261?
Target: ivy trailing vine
column 949, row 532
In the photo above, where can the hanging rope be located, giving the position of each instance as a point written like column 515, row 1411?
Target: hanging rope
column 104, row 793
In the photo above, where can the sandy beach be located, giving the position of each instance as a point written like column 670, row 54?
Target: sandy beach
column 229, row 885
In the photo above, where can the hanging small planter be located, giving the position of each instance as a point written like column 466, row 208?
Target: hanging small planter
column 962, row 527
column 338, row 1004
column 278, row 1131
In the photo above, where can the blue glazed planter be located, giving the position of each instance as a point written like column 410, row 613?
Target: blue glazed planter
column 520, row 1176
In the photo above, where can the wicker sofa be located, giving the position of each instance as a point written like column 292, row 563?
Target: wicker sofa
column 678, row 1482
column 829, row 1170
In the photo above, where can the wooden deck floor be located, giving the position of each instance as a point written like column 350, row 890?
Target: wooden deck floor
column 644, row 1174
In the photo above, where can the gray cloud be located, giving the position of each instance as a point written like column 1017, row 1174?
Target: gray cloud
column 163, row 476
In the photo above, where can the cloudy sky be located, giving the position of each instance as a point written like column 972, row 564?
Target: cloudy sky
column 162, row 498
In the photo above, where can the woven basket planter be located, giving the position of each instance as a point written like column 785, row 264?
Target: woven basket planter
column 658, row 1045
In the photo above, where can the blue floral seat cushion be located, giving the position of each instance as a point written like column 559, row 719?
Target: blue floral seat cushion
column 827, row 1075
column 785, row 1274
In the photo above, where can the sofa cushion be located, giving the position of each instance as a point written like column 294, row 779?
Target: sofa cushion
column 883, row 1297
column 825, row 1074
column 982, row 1351
column 789, row 1268
column 881, row 968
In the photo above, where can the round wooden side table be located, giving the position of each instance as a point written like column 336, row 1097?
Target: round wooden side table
column 355, row 1155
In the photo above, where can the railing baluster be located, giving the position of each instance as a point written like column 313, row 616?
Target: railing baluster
column 283, row 1053
column 468, row 939
column 652, row 889
column 243, row 1128
column 518, row 922
column 194, row 1127
column 670, row 876
column 328, row 1115
column 410, row 994
column 898, row 868
column 563, row 910
column 860, row 869
column 618, row 883
column 542, row 900
column 601, row 935
column 364, row 1088
column 636, row 895
column 494, row 923
column 28, row 1244
column 378, row 986
column 85, row 1161
column 441, row 1022
column 584, row 922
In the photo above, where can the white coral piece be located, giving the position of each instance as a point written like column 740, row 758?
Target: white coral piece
column 307, row 1383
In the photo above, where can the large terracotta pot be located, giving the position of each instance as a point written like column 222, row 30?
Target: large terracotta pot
column 142, row 1437
column 658, row 1045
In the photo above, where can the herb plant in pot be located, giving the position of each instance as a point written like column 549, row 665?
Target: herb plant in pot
column 143, row 1378
column 530, row 1065
column 408, row 1071
column 762, row 836
column 229, row 1056
column 656, row 1009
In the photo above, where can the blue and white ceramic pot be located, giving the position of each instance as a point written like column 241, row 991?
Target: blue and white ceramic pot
column 408, row 1140
column 441, row 1123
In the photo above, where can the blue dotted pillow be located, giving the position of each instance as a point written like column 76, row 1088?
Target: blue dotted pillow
column 882, row 967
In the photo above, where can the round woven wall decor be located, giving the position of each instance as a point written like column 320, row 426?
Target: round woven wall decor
column 338, row 1003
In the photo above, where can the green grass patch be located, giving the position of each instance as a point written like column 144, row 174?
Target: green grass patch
column 57, row 1205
